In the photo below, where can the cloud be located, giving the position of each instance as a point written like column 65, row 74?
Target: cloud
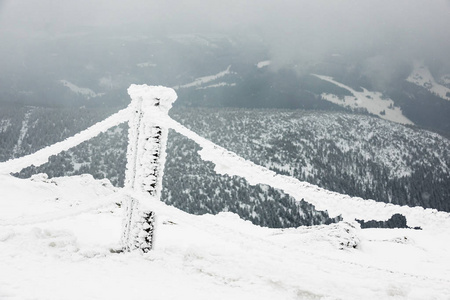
column 295, row 31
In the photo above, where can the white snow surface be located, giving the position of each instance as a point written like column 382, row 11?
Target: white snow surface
column 203, row 80
column 4, row 125
column 445, row 79
column 59, row 239
column 374, row 102
column 86, row 92
column 421, row 76
column 220, row 84
column 263, row 64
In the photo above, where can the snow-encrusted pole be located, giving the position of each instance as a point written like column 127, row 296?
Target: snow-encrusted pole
column 146, row 155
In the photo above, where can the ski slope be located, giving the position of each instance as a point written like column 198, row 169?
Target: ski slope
column 374, row 102
column 59, row 240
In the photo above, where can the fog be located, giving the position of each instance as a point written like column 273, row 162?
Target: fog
column 381, row 36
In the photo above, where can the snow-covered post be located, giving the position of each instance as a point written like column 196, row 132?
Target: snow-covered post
column 146, row 155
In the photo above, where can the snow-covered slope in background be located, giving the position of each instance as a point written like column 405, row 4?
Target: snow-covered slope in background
column 195, row 257
column 348, row 153
column 263, row 64
column 374, row 102
column 199, row 82
column 336, row 204
column 421, row 76
column 85, row 92
column 445, row 79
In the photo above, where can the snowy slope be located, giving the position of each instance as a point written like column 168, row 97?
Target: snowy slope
column 263, row 64
column 421, row 76
column 85, row 92
column 374, row 102
column 199, row 82
column 196, row 257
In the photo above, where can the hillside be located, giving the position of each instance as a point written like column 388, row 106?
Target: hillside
column 350, row 154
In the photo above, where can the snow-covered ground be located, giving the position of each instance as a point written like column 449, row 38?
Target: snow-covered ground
column 374, row 102
column 197, row 83
column 263, row 64
column 4, row 125
column 59, row 240
column 220, row 84
column 445, row 80
column 421, row 76
column 86, row 92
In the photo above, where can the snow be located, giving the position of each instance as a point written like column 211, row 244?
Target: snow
column 263, row 64
column 4, row 125
column 66, row 198
column 59, row 239
column 445, row 79
column 199, row 256
column 220, row 84
column 203, row 80
column 374, row 102
column 421, row 76
column 86, row 92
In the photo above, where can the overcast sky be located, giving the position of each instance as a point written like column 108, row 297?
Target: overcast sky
column 295, row 30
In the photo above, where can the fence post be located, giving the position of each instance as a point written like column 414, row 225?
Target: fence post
column 146, row 155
